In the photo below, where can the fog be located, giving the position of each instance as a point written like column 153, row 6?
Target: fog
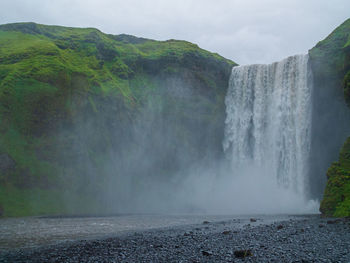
column 166, row 157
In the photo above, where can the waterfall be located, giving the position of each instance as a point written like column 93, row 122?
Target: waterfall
column 268, row 122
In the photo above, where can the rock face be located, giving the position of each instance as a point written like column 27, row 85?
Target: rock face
column 330, row 61
column 6, row 163
column 95, row 114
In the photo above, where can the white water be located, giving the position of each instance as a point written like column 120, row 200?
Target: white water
column 268, row 130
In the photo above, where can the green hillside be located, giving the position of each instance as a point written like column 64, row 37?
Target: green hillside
column 73, row 103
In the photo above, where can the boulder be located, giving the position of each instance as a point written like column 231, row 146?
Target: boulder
column 207, row 253
column 243, row 253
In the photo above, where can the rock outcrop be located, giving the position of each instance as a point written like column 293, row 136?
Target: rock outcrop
column 330, row 61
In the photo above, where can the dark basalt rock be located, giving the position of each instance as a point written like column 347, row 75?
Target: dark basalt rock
column 330, row 64
column 6, row 163
column 279, row 227
column 1, row 210
column 243, row 253
column 207, row 253
column 333, row 221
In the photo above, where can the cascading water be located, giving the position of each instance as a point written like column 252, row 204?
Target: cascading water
column 268, row 123
column 267, row 142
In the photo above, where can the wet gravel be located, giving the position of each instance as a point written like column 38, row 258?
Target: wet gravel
column 299, row 239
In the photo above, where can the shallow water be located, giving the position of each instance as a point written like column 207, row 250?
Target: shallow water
column 31, row 232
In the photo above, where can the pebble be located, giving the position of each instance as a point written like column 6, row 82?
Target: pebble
column 302, row 240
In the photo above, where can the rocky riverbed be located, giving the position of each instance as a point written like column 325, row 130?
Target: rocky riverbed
column 297, row 239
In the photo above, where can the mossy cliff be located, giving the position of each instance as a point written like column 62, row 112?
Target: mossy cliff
column 89, row 120
column 330, row 61
column 80, row 109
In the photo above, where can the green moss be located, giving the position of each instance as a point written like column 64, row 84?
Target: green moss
column 56, row 82
column 29, row 202
column 25, row 202
column 44, row 52
column 329, row 55
column 343, row 209
column 337, row 193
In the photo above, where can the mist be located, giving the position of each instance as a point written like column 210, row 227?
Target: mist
column 168, row 157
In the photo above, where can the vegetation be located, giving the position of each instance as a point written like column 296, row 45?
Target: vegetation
column 331, row 65
column 69, row 97
column 336, row 199
column 331, row 56
column 79, row 109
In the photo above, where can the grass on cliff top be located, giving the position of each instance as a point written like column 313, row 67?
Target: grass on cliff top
column 43, row 67
column 52, row 53
column 329, row 53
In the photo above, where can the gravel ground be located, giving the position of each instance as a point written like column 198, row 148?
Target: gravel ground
column 300, row 239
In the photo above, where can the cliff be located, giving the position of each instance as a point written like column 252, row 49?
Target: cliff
column 330, row 61
column 81, row 110
column 93, row 123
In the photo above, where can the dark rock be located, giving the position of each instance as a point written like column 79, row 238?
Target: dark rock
column 253, row 220
column 279, row 227
column 205, row 222
column 226, row 232
column 207, row 253
column 243, row 253
column 25, row 179
column 6, row 163
column 330, row 222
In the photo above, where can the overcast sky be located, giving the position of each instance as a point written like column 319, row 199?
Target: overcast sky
column 246, row 31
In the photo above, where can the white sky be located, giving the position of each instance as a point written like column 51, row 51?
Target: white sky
column 246, row 31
